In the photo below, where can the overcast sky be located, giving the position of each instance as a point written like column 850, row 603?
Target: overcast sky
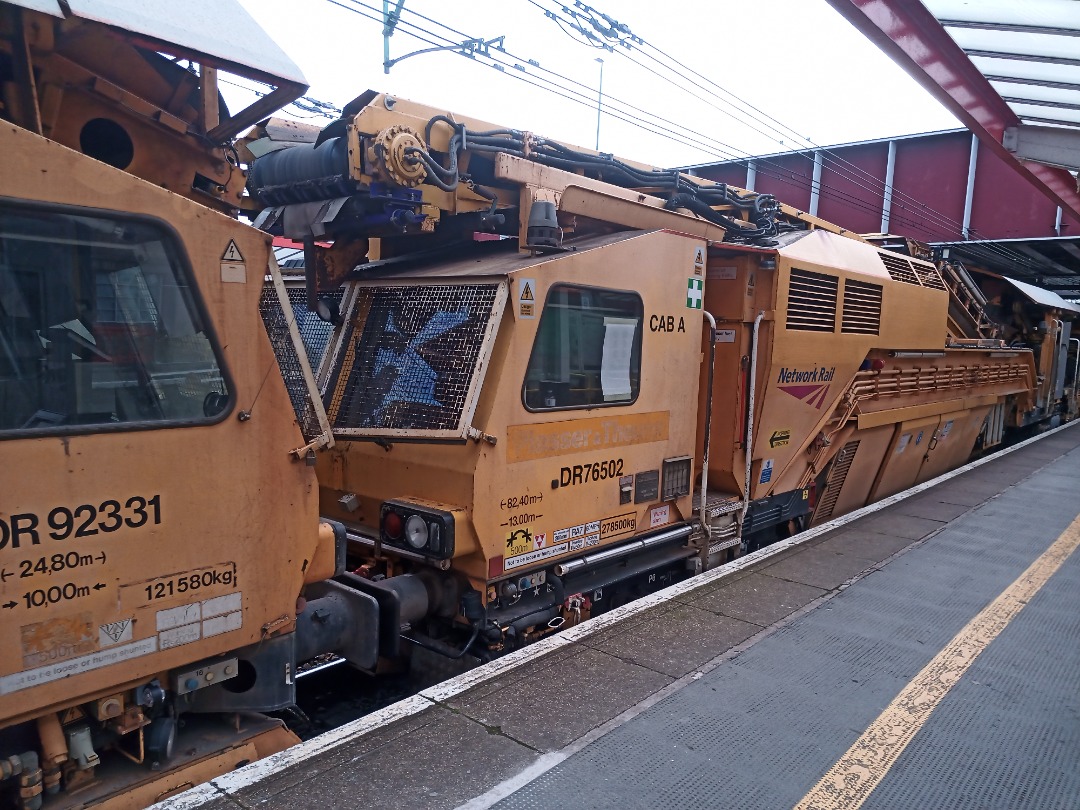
column 796, row 61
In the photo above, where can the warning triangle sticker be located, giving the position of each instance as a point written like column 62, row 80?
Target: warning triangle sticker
column 527, row 293
column 232, row 253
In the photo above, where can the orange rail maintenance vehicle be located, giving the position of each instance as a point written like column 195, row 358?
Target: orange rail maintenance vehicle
column 640, row 375
column 520, row 384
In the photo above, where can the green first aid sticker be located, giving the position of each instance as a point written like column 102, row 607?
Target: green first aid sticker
column 693, row 293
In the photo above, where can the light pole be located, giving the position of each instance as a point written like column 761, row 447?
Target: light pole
column 599, row 101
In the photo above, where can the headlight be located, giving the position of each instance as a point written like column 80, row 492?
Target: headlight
column 418, row 528
column 416, row 532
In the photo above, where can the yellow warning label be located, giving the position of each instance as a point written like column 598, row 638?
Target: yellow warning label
column 232, row 253
column 519, row 541
column 527, row 292
column 780, row 438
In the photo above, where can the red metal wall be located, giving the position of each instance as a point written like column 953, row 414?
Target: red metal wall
column 853, row 187
column 930, row 177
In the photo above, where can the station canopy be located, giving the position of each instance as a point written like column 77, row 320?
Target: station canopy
column 1010, row 71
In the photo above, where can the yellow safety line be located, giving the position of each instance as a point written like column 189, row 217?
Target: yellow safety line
column 855, row 775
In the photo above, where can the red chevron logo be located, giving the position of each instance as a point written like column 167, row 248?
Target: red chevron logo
column 815, row 395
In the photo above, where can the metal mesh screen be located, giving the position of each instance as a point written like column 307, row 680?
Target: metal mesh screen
column 676, row 478
column 413, row 363
column 289, row 361
column 314, row 331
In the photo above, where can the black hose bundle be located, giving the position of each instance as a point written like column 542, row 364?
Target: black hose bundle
column 760, row 209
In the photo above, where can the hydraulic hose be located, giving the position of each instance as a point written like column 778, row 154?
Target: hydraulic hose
column 760, row 208
column 445, row 649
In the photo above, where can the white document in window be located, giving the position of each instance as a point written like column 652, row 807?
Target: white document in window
column 615, row 365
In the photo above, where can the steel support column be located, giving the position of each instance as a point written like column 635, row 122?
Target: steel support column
column 886, row 204
column 815, row 185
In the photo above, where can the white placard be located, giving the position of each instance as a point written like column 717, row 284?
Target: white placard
column 615, row 365
column 528, row 558
column 222, row 624
column 659, row 516
column 178, row 636
column 174, row 617
column 74, row 666
column 221, row 604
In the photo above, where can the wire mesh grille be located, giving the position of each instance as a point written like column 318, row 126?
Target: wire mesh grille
column 275, row 320
column 412, row 366
column 676, row 478
column 314, row 331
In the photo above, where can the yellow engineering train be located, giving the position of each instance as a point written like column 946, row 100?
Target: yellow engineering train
column 521, row 423
column 546, row 381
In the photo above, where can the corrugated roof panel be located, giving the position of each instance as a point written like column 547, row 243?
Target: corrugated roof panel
column 1020, row 43
column 1018, row 93
column 1055, row 73
column 1050, row 13
column 1046, row 114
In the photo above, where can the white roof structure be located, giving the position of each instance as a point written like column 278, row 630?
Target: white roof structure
column 219, row 33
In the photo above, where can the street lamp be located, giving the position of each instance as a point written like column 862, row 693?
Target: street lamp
column 599, row 101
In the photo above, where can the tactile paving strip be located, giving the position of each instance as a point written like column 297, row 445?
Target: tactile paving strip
column 990, row 710
column 760, row 730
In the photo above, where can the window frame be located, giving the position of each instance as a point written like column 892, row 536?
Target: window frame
column 639, row 345
column 171, row 238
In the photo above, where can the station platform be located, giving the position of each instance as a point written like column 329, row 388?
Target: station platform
column 923, row 652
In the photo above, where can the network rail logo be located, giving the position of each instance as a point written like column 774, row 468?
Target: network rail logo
column 811, row 386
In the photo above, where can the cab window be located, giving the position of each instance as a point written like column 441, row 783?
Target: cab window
column 587, row 351
column 99, row 326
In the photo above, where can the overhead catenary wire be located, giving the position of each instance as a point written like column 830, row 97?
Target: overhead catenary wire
column 583, row 97
column 943, row 223
column 317, row 108
column 837, row 164
column 930, row 220
column 704, row 142
column 840, row 166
